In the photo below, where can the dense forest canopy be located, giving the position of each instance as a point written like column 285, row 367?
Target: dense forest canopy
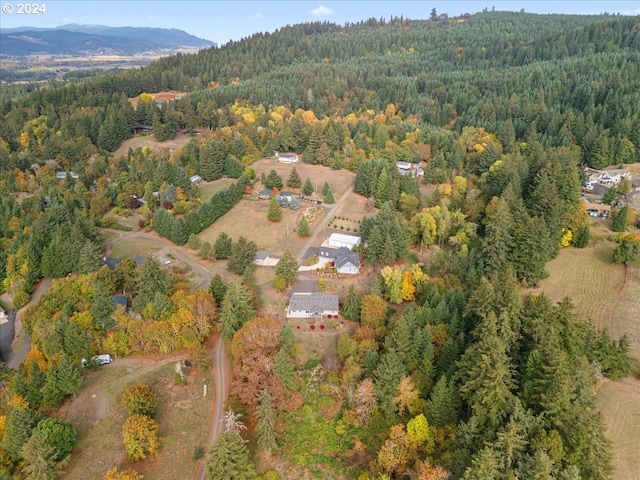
column 451, row 371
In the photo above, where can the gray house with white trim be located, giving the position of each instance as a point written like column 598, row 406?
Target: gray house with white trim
column 313, row 305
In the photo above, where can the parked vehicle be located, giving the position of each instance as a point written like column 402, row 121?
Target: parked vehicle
column 98, row 360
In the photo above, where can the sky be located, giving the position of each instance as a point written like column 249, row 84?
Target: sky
column 221, row 21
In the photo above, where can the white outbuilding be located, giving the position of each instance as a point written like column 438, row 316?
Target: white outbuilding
column 341, row 240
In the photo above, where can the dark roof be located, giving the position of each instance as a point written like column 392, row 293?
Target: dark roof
column 314, row 302
column 265, row 192
column 345, row 256
column 119, row 300
column 112, row 263
column 261, row 255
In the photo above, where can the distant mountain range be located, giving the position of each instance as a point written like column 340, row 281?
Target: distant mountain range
column 73, row 39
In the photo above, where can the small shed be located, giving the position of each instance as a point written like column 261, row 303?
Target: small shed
column 265, row 194
column 261, row 257
column 196, row 179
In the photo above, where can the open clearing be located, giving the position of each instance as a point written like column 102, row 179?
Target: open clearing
column 183, row 416
column 249, row 217
column 167, row 147
column 620, row 403
column 589, row 278
column 129, row 248
column 354, row 209
column 207, row 189
column 608, row 294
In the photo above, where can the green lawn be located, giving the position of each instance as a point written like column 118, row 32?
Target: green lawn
column 207, row 190
column 129, row 248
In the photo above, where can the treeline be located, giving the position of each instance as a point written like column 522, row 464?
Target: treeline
column 565, row 79
column 178, row 229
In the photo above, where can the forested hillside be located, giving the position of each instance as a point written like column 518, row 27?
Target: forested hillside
column 451, row 371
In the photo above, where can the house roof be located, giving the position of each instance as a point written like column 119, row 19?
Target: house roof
column 119, row 300
column 343, row 238
column 265, row 192
column 111, row 262
column 314, row 302
column 346, row 256
column 261, row 255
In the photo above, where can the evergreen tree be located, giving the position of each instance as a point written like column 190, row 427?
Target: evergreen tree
column 266, row 414
column 294, row 180
column 283, row 369
column 620, row 219
column 273, row 180
column 150, row 279
column 275, row 210
column 69, row 375
column 218, row 288
column 236, row 310
column 308, row 187
column 303, row 227
column 442, row 407
column 328, row 199
column 33, row 392
column 325, row 188
column 581, row 239
column 89, row 259
column 229, row 459
column 242, row 254
column 61, row 436
column 18, row 428
column 41, row 459
column 52, row 395
column 287, row 268
column 222, row 246
column 387, row 378
column 498, row 241
column 351, row 308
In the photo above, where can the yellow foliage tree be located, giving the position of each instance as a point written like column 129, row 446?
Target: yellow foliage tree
column 566, row 238
column 408, row 288
column 128, row 474
column 140, row 436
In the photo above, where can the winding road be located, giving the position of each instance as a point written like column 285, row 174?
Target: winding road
column 222, row 376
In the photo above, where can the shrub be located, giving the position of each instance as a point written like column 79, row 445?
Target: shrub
column 20, row 299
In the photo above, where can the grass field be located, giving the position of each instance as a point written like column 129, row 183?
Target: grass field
column 249, row 217
column 608, row 294
column 129, row 248
column 207, row 189
column 351, row 212
column 620, row 403
column 589, row 278
column 183, row 416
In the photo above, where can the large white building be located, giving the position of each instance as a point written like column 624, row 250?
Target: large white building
column 341, row 240
column 287, row 157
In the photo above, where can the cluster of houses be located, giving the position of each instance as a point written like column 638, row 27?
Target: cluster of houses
column 338, row 249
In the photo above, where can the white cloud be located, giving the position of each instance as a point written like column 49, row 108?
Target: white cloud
column 320, row 11
column 256, row 15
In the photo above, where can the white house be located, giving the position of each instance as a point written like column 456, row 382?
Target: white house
column 347, row 261
column 406, row 168
column 341, row 240
column 287, row 157
column 608, row 178
column 313, row 305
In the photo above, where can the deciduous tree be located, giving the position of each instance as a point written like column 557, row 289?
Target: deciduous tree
column 140, row 436
column 140, row 399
